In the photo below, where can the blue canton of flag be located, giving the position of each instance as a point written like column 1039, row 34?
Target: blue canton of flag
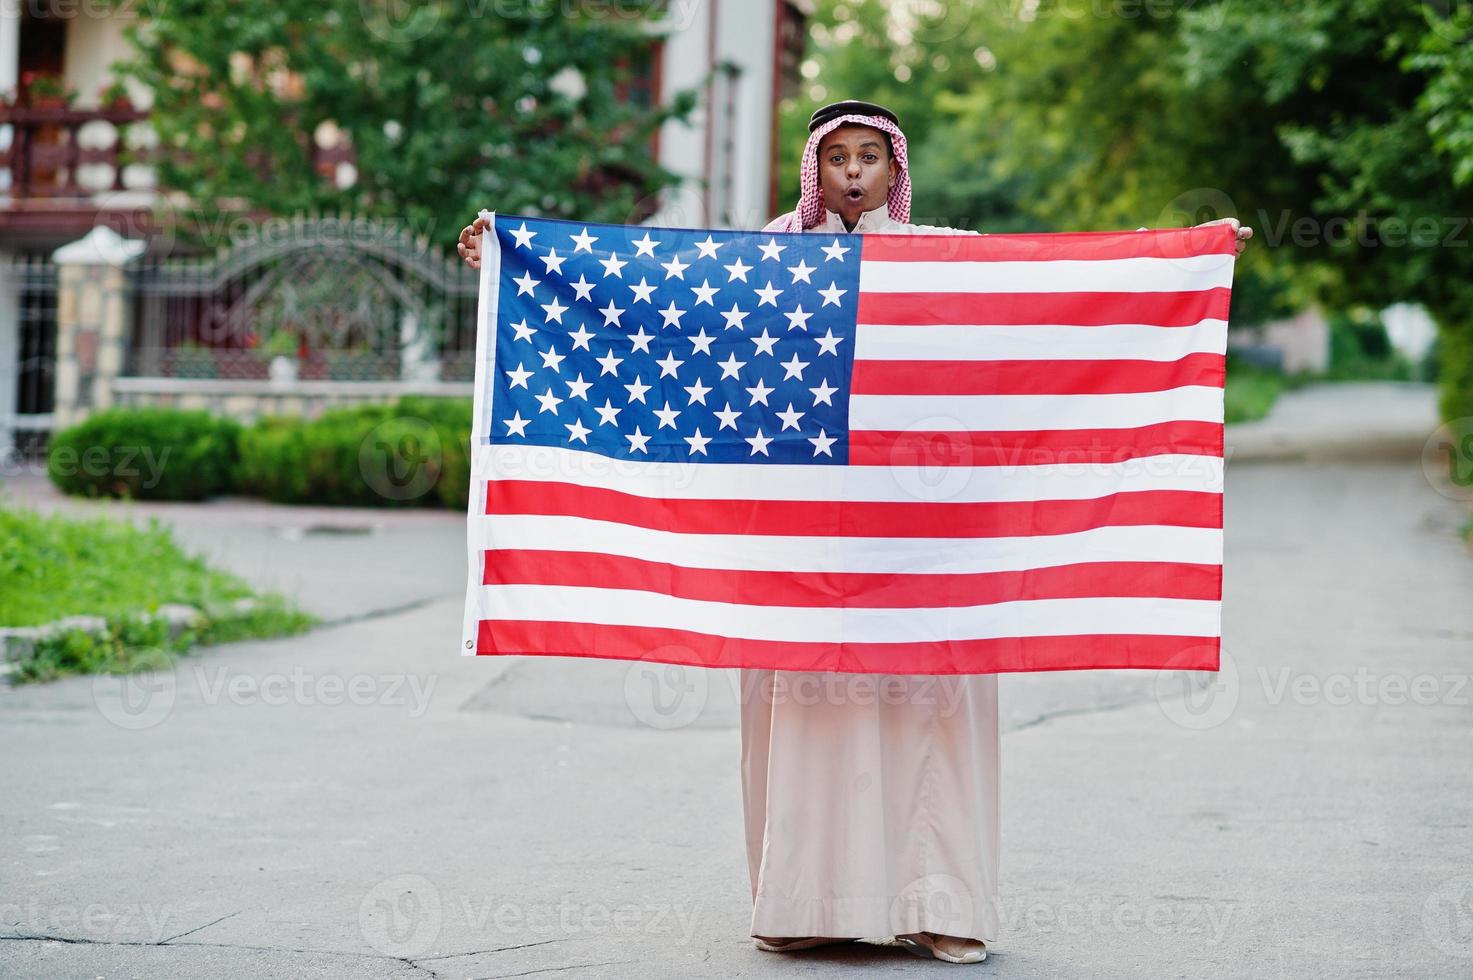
column 667, row 344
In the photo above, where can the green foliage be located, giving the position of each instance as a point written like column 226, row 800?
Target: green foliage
column 1360, row 348
column 135, row 642
column 53, row 566
column 410, row 453
column 145, row 453
column 1455, row 371
column 1250, row 391
column 1341, row 130
column 448, row 108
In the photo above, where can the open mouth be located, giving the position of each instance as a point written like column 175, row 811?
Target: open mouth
column 854, row 194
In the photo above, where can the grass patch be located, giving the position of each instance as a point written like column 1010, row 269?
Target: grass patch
column 53, row 566
column 1250, row 391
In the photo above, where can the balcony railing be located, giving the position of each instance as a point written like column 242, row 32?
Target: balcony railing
column 47, row 153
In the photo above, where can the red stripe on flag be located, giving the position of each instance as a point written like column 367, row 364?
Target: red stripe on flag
column 1069, row 377
column 867, row 590
column 1008, row 654
column 1033, row 448
column 825, row 518
column 1083, row 309
column 1173, row 243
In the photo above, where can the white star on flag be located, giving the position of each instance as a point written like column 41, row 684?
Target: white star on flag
column 645, row 246
column 835, row 251
column 577, row 431
column 613, row 266
column 583, row 242
column 523, row 236
column 801, row 271
column 525, row 284
column 637, row 390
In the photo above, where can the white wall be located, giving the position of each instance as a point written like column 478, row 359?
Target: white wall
column 743, row 36
column 93, row 43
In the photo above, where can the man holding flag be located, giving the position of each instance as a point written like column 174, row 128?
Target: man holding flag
column 796, row 546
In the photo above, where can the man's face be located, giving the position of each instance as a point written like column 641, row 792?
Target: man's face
column 855, row 170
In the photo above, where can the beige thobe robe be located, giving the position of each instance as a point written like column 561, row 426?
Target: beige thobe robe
column 871, row 801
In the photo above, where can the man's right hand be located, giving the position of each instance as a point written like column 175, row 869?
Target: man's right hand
column 470, row 242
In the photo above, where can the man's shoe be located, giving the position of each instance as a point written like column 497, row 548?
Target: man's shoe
column 768, row 945
column 950, row 949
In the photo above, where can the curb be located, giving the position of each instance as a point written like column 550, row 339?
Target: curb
column 18, row 643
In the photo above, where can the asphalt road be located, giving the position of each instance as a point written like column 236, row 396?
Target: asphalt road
column 359, row 802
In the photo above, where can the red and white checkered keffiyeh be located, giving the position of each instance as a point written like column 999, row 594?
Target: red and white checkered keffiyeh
column 810, row 209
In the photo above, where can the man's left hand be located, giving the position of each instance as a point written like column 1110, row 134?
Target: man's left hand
column 1244, row 232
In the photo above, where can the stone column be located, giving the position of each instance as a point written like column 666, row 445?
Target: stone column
column 91, row 321
column 9, row 354
column 10, row 15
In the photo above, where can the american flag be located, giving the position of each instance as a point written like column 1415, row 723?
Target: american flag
column 900, row 454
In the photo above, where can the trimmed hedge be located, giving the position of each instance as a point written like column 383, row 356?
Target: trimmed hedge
column 413, row 452
column 1455, row 371
column 146, row 453
column 409, row 453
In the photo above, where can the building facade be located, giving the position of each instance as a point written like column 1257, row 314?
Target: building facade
column 61, row 178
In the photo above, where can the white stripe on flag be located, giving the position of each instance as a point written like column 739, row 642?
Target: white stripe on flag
column 1015, row 413
column 1041, row 342
column 1153, row 275
column 821, row 624
column 878, row 484
column 808, row 553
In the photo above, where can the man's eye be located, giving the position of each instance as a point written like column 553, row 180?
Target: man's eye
column 871, row 157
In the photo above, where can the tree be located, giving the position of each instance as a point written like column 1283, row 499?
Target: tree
column 447, row 108
column 1341, row 130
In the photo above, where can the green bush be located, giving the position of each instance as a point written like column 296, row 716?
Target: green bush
column 145, row 453
column 412, row 452
column 1360, row 349
column 1455, row 371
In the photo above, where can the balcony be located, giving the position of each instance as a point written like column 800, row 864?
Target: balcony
column 65, row 168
